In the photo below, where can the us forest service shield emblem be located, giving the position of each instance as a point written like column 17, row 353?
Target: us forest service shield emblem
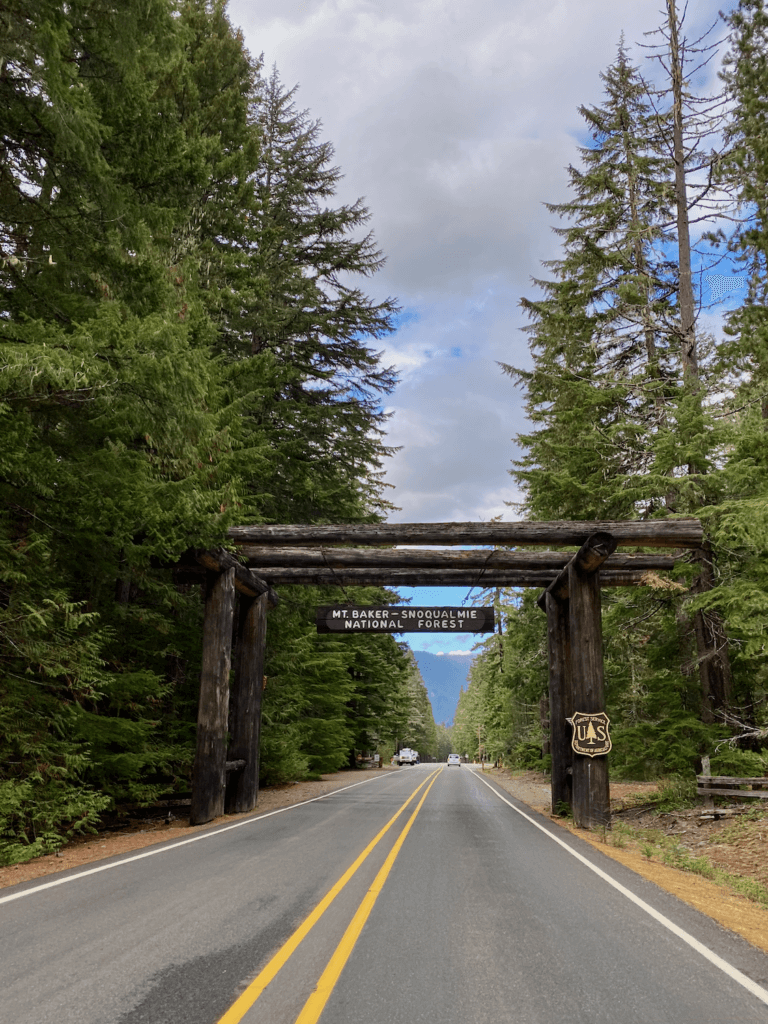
column 591, row 733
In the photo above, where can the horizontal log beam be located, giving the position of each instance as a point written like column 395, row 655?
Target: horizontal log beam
column 246, row 582
column 657, row 533
column 373, row 577
column 419, row 558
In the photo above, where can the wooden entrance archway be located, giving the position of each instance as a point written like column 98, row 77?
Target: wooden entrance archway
column 387, row 555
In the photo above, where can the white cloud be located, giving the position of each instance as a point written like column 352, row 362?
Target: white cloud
column 456, row 122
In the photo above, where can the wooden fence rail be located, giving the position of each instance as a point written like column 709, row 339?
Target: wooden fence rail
column 729, row 785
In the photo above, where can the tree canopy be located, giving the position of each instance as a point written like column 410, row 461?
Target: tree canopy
column 186, row 344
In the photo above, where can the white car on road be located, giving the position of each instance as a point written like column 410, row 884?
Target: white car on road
column 408, row 756
column 454, row 759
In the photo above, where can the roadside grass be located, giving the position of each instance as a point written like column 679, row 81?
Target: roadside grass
column 653, row 843
column 673, row 793
column 563, row 810
column 750, row 823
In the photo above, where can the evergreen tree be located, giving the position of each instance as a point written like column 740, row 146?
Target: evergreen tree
column 617, row 382
column 738, row 521
column 745, row 168
column 107, row 418
column 601, row 364
column 292, row 309
column 136, row 258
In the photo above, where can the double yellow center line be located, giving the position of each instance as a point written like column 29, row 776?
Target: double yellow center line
column 317, row 1000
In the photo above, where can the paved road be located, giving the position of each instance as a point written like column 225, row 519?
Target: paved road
column 468, row 909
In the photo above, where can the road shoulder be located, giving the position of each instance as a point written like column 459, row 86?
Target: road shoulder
column 731, row 910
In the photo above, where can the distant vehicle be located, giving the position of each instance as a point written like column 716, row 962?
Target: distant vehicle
column 408, row 756
column 454, row 759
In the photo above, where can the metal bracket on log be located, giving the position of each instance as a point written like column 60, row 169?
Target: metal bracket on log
column 246, row 582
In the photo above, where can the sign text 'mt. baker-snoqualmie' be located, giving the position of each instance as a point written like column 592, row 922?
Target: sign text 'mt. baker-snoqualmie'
column 403, row 619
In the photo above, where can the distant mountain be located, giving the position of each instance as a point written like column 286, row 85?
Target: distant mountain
column 444, row 676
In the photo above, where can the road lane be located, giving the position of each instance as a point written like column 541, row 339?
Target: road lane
column 480, row 916
column 172, row 937
column 315, row 1004
column 486, row 919
column 268, row 973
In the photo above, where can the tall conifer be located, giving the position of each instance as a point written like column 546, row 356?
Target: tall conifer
column 601, row 360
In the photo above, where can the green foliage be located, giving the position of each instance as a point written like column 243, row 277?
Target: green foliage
column 444, row 742
column 528, row 755
column 49, row 662
column 280, row 758
column 744, row 763
column 652, row 749
column 675, row 791
column 599, row 336
column 183, row 346
column 619, row 430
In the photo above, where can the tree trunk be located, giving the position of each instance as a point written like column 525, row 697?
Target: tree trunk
column 686, row 302
column 711, row 641
column 209, row 772
column 591, row 802
column 560, row 701
column 245, row 718
column 711, row 646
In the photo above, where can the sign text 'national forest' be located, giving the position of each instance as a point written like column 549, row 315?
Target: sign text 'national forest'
column 403, row 619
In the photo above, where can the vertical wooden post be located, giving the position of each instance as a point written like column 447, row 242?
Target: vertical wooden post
column 243, row 784
column 591, row 801
column 209, row 772
column 560, row 699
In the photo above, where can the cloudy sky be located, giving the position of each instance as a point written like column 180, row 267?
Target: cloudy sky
column 455, row 121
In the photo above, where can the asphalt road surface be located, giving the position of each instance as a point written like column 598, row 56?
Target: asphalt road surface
column 426, row 895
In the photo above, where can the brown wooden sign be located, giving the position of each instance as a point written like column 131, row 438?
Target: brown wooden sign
column 591, row 733
column 403, row 619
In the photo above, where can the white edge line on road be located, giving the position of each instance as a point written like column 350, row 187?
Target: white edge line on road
column 714, row 959
column 182, row 842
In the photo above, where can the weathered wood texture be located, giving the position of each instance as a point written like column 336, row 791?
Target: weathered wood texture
column 593, row 553
column 262, row 557
column 544, row 723
column 245, row 715
column 560, row 701
column 728, row 785
column 711, row 644
column 432, row 577
column 667, row 533
column 209, row 770
column 591, row 803
column 246, row 582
